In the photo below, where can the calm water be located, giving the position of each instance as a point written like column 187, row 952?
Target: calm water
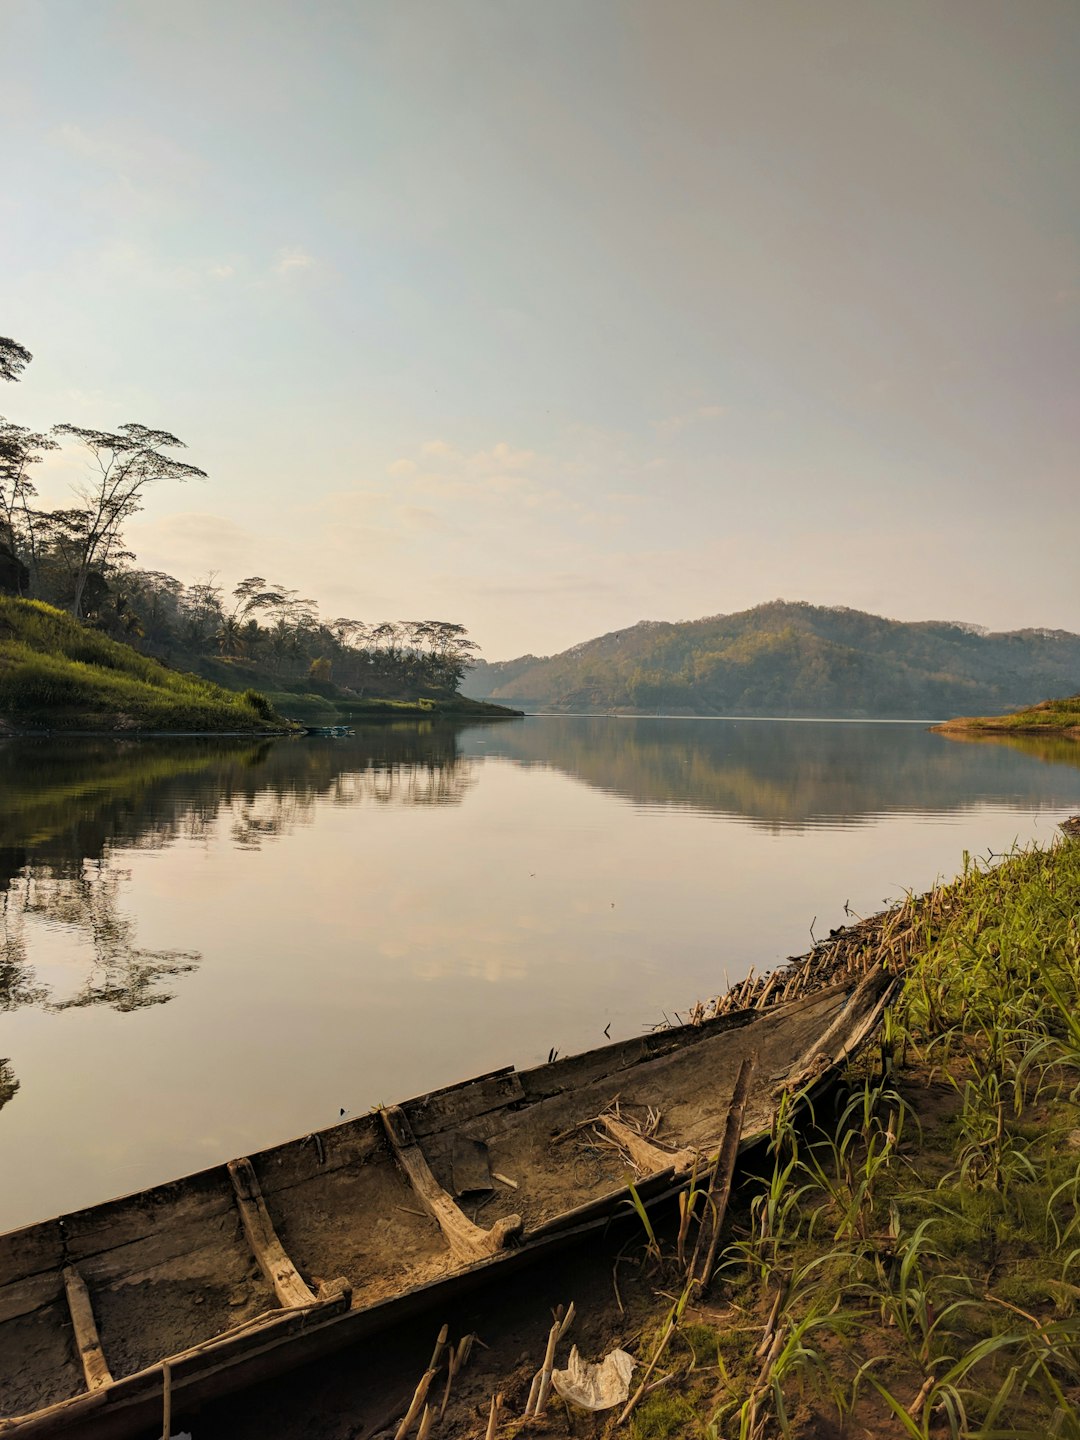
column 206, row 947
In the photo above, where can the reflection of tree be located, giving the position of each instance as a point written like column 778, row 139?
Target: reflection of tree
column 17, row 981
column 777, row 775
column 70, row 808
column 1054, row 749
column 8, row 1083
column 85, row 901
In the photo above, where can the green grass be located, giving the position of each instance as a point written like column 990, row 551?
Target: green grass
column 58, row 674
column 312, row 709
column 909, row 1264
column 1050, row 715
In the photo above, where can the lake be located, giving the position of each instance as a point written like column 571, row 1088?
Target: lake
column 208, row 946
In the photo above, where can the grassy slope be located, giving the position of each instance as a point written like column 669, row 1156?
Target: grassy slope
column 57, row 674
column 328, row 704
column 1051, row 715
column 911, row 1268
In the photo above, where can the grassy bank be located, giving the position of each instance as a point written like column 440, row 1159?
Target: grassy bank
column 314, row 702
column 56, row 674
column 311, row 709
column 1049, row 717
column 908, row 1264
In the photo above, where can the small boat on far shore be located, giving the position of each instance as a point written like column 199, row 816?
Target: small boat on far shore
column 223, row 1278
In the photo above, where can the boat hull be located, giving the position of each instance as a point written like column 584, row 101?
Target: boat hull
column 333, row 1237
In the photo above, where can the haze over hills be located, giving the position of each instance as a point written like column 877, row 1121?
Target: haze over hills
column 792, row 658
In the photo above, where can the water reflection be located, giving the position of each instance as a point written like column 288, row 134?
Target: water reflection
column 782, row 774
column 85, row 903
column 1052, row 749
column 70, row 807
column 206, row 945
column 8, row 1083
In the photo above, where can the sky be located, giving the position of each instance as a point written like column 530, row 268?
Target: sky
column 547, row 318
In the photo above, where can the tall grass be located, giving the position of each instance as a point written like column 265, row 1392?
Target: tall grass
column 910, row 1264
column 56, row 673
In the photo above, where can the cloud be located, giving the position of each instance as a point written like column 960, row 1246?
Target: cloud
column 674, row 423
column 402, row 467
column 502, row 456
column 291, row 258
column 127, row 149
column 192, row 542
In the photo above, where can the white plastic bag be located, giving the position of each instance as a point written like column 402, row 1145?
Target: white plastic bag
column 595, row 1387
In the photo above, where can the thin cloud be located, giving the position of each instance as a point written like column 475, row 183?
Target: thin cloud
column 673, row 423
column 291, row 258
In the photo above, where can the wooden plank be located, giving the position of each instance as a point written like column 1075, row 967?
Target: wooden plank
column 87, row 1340
column 282, row 1274
column 460, row 1104
column 23, row 1297
column 467, row 1241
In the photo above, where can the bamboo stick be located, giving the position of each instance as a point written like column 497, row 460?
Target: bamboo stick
column 493, row 1417
column 419, row 1396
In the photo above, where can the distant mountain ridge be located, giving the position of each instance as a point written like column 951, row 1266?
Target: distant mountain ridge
column 795, row 659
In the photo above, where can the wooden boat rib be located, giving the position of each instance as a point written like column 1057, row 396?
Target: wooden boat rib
column 224, row 1277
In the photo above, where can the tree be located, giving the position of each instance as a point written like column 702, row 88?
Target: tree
column 125, row 464
column 14, row 358
column 20, row 524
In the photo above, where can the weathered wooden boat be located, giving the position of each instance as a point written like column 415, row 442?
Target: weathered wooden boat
column 220, row 1279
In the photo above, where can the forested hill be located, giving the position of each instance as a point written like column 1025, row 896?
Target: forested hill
column 793, row 659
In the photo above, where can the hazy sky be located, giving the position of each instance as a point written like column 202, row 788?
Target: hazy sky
column 548, row 317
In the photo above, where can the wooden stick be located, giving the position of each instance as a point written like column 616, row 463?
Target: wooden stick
column 545, row 1373
column 493, row 1417
column 87, row 1340
column 628, row 1409
column 541, row 1386
column 455, row 1362
column 419, row 1396
column 770, row 1324
column 440, row 1346
column 720, row 1187
column 166, row 1400
column 427, row 1420
column 534, row 1390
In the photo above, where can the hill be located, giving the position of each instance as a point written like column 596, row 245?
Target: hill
column 58, row 674
column 792, row 659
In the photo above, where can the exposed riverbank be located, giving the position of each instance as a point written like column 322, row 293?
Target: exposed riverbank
column 1050, row 717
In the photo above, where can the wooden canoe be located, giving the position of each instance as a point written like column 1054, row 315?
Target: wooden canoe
column 217, row 1280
